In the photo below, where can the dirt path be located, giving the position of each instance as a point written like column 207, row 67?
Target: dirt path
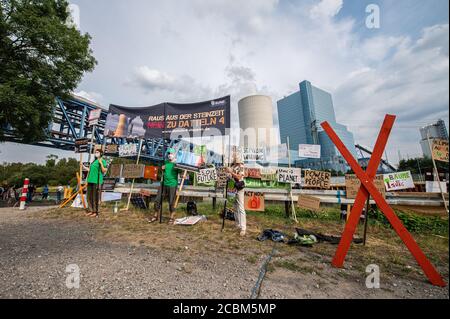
column 34, row 253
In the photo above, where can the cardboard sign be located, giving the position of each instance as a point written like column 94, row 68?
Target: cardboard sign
column 222, row 177
column 112, row 149
column 114, row 170
column 269, row 174
column 317, row 179
column 82, row 145
column 440, row 150
column 133, row 170
column 352, row 185
column 289, row 175
column 254, row 201
column 207, row 175
column 397, row 181
column 309, row 202
column 94, row 116
column 309, row 150
column 151, row 172
column 128, row 150
column 252, row 172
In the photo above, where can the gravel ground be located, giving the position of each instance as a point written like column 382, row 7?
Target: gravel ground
column 35, row 252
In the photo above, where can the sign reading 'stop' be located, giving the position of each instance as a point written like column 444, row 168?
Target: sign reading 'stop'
column 209, row 117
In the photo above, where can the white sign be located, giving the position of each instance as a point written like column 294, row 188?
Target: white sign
column 110, row 197
column 433, row 187
column 397, row 181
column 128, row 150
column 289, row 175
column 254, row 154
column 94, row 116
column 309, row 150
column 207, row 175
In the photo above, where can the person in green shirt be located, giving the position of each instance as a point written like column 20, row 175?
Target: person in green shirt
column 94, row 179
column 168, row 186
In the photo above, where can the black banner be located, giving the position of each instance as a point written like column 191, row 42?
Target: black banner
column 209, row 117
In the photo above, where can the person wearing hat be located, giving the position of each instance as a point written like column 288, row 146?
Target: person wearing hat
column 168, row 186
column 237, row 173
column 94, row 179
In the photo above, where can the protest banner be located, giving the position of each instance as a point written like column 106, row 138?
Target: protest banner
column 133, row 170
column 398, row 181
column 206, row 175
column 269, row 174
column 309, row 151
column 128, row 150
column 289, row 175
column 440, row 150
column 149, row 122
column 308, row 202
column 252, row 172
column 317, row 179
column 254, row 201
column 352, row 184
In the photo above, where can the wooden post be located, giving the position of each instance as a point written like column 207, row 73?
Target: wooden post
column 179, row 189
column 294, row 215
column 436, row 172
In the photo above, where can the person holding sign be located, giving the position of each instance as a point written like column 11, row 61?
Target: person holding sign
column 237, row 173
column 96, row 171
column 168, row 187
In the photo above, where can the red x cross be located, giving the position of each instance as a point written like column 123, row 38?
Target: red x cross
column 367, row 187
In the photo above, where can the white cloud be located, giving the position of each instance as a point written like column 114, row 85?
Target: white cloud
column 91, row 96
column 326, row 8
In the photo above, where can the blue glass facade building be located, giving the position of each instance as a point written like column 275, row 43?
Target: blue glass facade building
column 300, row 115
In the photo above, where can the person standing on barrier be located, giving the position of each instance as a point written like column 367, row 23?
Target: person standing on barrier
column 237, row 173
column 168, row 187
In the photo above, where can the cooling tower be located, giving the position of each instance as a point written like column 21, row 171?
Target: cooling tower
column 256, row 121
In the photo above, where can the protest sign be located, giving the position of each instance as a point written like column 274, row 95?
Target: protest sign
column 128, row 150
column 82, row 145
column 149, row 122
column 94, row 116
column 397, row 181
column 114, row 170
column 317, row 179
column 254, row 201
column 289, row 175
column 222, row 177
column 253, row 153
column 151, row 172
column 309, row 150
column 112, row 149
column 352, row 184
column 133, row 170
column 109, row 184
column 440, row 150
column 269, row 174
column 252, row 172
column 206, row 175
column 308, row 202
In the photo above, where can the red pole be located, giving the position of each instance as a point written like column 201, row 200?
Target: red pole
column 23, row 198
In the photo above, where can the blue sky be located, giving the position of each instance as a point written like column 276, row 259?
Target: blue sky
column 190, row 50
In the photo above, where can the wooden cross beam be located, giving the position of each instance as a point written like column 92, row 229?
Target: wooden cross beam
column 367, row 187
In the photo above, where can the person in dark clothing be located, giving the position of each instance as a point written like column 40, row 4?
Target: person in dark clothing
column 45, row 192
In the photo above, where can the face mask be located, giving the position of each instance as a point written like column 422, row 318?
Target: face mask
column 171, row 157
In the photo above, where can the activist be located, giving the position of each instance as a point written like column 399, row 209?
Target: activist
column 168, row 187
column 95, row 178
column 237, row 173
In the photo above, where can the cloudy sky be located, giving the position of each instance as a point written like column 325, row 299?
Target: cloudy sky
column 190, row 50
